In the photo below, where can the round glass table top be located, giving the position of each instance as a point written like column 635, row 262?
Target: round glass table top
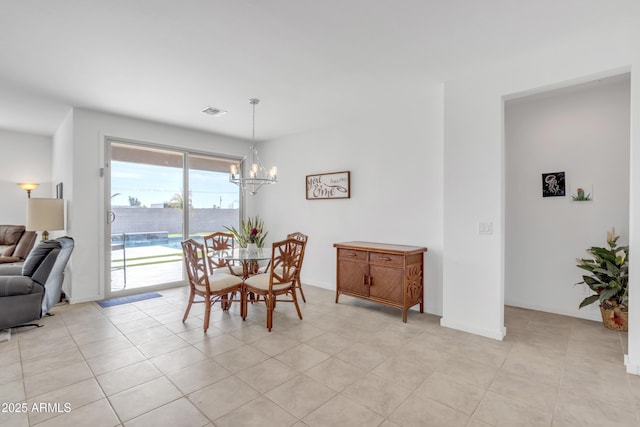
column 243, row 254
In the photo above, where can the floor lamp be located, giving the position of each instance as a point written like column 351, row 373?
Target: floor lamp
column 45, row 215
column 28, row 186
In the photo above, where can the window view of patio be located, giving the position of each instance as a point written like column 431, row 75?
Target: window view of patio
column 149, row 211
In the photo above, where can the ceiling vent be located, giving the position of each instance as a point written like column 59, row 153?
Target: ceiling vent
column 214, row 111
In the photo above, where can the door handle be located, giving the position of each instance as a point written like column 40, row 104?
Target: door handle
column 111, row 217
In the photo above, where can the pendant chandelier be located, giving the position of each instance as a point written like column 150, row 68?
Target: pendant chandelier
column 249, row 174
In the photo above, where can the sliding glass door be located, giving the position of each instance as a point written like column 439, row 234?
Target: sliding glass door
column 214, row 201
column 156, row 197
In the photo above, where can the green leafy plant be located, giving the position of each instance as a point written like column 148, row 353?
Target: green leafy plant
column 609, row 274
column 251, row 230
column 580, row 196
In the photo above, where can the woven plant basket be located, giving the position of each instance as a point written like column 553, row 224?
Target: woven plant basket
column 615, row 318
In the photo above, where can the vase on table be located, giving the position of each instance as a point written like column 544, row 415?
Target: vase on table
column 252, row 248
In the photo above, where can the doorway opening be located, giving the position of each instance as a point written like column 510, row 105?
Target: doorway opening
column 157, row 197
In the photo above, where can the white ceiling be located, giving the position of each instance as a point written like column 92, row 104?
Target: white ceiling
column 311, row 62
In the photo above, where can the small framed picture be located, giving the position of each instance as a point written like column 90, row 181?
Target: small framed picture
column 553, row 184
column 582, row 193
column 335, row 185
column 59, row 194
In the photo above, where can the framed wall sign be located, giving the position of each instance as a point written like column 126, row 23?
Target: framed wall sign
column 335, row 185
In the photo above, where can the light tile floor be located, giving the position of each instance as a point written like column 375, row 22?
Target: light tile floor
column 347, row 364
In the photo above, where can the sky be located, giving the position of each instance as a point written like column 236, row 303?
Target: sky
column 155, row 185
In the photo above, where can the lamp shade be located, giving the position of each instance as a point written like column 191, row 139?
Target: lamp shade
column 28, row 186
column 45, row 214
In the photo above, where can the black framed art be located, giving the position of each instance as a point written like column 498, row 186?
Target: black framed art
column 553, row 184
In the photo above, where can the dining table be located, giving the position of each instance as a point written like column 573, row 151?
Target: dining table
column 249, row 258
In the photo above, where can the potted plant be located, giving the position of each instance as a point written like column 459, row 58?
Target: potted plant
column 580, row 196
column 251, row 231
column 609, row 279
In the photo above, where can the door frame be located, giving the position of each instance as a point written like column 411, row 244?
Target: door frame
column 105, row 206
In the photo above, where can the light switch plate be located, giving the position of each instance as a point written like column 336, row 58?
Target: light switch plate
column 485, row 228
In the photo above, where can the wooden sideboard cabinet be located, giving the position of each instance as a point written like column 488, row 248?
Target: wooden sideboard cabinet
column 388, row 274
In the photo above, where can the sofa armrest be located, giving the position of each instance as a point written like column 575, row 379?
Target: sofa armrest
column 18, row 285
column 9, row 259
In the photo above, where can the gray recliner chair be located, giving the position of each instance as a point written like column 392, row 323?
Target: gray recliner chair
column 27, row 292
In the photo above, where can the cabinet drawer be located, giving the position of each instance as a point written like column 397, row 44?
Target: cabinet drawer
column 386, row 259
column 351, row 254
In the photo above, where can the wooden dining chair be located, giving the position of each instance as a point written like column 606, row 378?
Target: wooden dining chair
column 219, row 287
column 303, row 238
column 219, row 241
column 279, row 281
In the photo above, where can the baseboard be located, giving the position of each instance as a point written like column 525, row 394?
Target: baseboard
column 588, row 313
column 465, row 327
column 73, row 300
column 632, row 368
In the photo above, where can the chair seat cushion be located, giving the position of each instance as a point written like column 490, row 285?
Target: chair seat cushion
column 220, row 281
column 11, row 270
column 18, row 285
column 261, row 281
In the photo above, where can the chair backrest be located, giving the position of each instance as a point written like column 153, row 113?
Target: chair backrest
column 298, row 236
column 218, row 241
column 303, row 238
column 194, row 261
column 286, row 259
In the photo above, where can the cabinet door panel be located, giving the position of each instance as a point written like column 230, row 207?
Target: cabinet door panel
column 386, row 283
column 351, row 277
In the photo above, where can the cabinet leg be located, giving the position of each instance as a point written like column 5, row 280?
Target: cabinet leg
column 337, row 295
column 421, row 306
column 404, row 315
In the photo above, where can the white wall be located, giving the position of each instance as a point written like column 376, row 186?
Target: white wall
column 85, row 201
column 26, row 158
column 474, row 164
column 473, row 161
column 633, row 354
column 62, row 172
column 395, row 161
column 585, row 133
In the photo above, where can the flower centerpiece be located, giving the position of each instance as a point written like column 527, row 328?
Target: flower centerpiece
column 609, row 279
column 253, row 235
column 251, row 231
